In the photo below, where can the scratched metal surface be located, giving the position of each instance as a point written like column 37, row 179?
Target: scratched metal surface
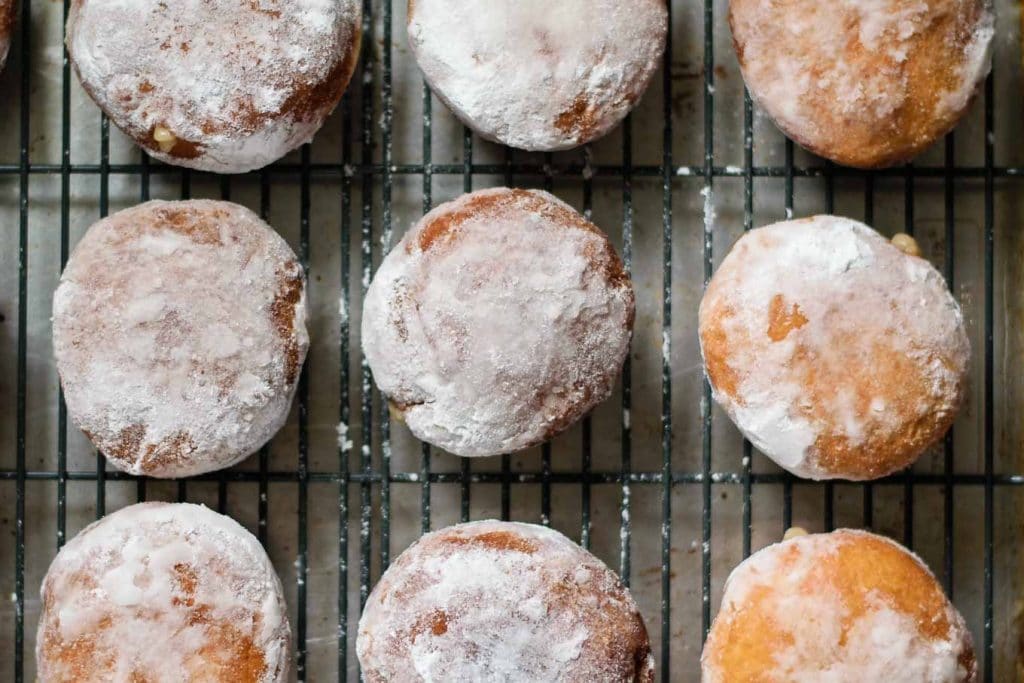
column 657, row 482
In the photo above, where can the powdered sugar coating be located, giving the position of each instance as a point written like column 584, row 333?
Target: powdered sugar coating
column 499, row 320
column 864, row 82
column 844, row 606
column 7, row 14
column 179, row 332
column 163, row 593
column 539, row 75
column 238, row 83
column 501, row 601
column 834, row 352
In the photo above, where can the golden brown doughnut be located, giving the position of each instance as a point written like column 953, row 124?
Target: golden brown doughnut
column 220, row 85
column 501, row 601
column 869, row 83
column 163, row 593
column 837, row 354
column 845, row 606
column 500, row 319
column 179, row 330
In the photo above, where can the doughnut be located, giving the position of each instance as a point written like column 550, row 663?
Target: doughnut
column 844, row 606
column 179, row 330
column 8, row 10
column 534, row 74
column 501, row 601
column 221, row 85
column 837, row 354
column 499, row 320
column 865, row 84
column 163, row 592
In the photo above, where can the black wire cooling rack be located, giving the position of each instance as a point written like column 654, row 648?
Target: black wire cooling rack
column 361, row 485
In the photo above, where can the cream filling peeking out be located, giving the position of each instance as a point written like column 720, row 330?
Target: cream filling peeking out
column 165, row 139
column 906, row 244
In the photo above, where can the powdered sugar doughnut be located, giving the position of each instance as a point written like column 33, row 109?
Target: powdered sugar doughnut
column 866, row 83
column 163, row 593
column 844, row 606
column 179, row 330
column 500, row 601
column 835, row 353
column 539, row 75
column 216, row 85
column 499, row 320
column 7, row 16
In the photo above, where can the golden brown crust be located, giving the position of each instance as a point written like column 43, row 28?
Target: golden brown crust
column 8, row 11
column 862, row 571
column 930, row 67
column 867, row 356
column 897, row 380
column 156, row 592
column 501, row 541
column 228, row 654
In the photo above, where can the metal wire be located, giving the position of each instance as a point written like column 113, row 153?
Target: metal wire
column 360, row 168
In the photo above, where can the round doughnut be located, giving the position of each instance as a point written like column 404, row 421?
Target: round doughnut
column 499, row 320
column 539, row 75
column 179, row 330
column 837, row 354
column 866, row 84
column 7, row 16
column 220, row 85
column 501, row 601
column 844, row 606
column 163, row 592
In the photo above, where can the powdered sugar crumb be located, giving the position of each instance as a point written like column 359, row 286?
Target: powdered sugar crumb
column 344, row 443
column 709, row 210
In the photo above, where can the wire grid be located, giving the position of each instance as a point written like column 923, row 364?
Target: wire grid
column 373, row 476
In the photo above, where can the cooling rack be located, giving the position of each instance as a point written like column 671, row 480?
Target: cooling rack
column 656, row 482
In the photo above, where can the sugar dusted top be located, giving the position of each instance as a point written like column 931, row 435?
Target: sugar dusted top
column 535, row 74
column 864, row 82
column 179, row 332
column 163, row 593
column 834, row 352
column 501, row 601
column 499, row 319
column 227, row 85
column 845, row 606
